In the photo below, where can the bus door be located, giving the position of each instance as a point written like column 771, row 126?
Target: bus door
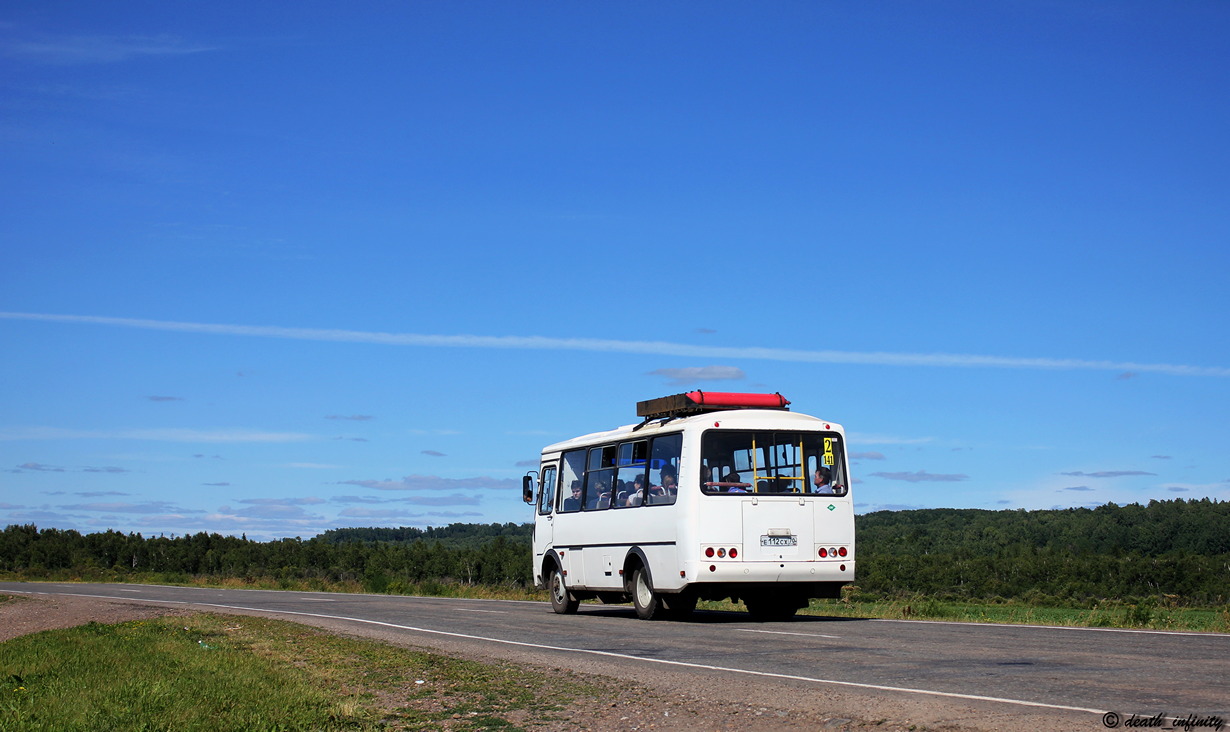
column 544, row 526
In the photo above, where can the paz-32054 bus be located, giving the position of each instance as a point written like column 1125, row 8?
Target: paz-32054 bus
column 711, row 496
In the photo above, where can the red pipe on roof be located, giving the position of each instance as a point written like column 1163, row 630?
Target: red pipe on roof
column 735, row 399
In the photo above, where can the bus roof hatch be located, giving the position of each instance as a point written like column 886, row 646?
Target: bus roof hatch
column 699, row 402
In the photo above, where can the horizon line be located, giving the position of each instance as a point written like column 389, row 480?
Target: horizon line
column 662, row 348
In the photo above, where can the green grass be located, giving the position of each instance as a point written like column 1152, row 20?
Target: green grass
column 1105, row 615
column 240, row 673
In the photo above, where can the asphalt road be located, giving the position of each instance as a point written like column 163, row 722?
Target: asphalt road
column 936, row 673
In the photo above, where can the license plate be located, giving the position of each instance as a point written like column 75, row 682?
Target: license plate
column 779, row 540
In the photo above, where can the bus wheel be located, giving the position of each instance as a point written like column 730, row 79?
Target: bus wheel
column 648, row 603
column 562, row 600
column 770, row 609
column 679, row 606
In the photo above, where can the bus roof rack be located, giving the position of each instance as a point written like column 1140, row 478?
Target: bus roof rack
column 700, row 402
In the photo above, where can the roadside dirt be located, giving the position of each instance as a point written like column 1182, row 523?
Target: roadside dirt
column 23, row 615
column 695, row 704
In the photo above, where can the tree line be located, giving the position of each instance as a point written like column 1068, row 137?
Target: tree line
column 1177, row 551
column 376, row 564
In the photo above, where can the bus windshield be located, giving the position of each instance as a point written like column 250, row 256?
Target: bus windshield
column 740, row 462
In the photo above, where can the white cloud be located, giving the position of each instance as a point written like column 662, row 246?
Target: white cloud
column 436, row 483
column 922, row 476
column 121, row 507
column 661, row 348
column 39, row 467
column 1107, row 473
column 309, row 501
column 72, row 50
column 866, row 439
column 153, row 435
column 692, row 374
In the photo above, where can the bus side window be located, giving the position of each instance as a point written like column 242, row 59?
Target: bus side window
column 546, row 496
column 570, row 481
column 664, row 469
column 599, row 478
column 630, row 478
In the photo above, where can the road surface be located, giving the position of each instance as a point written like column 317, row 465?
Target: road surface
column 931, row 673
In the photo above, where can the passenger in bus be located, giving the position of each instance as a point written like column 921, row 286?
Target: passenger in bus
column 734, row 478
column 601, row 496
column 706, row 477
column 573, row 503
column 670, row 486
column 822, row 480
column 657, row 493
column 637, row 495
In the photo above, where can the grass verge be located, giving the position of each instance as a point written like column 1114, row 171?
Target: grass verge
column 1106, row 615
column 241, row 673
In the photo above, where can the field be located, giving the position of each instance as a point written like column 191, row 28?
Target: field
column 243, row 673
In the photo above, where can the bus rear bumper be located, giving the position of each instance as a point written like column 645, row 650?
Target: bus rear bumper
column 768, row 572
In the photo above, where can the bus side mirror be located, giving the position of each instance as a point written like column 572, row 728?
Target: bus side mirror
column 527, row 488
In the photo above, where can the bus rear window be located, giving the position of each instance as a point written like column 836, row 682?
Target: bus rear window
column 736, row 462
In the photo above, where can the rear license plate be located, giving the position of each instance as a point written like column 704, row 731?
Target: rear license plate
column 766, row 540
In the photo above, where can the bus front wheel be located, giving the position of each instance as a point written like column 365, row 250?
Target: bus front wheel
column 562, row 600
column 648, row 603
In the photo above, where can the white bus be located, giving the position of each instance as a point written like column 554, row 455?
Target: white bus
column 711, row 496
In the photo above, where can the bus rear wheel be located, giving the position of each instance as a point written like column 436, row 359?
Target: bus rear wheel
column 562, row 600
column 648, row 603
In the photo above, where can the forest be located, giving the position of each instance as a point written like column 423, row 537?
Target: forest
column 1176, row 551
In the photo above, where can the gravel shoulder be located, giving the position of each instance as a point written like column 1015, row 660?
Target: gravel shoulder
column 675, row 702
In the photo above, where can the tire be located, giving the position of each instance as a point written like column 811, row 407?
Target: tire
column 680, row 606
column 648, row 603
column 562, row 600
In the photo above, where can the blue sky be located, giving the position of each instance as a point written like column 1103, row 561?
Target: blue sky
column 281, row 268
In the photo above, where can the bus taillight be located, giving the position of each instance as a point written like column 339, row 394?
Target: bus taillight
column 709, row 552
column 841, row 551
column 823, row 552
column 733, row 552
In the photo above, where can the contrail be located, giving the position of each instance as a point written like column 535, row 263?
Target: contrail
column 658, row 348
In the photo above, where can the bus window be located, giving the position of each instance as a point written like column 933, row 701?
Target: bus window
column 664, row 469
column 599, row 478
column 630, row 478
column 772, row 462
column 826, row 468
column 573, row 473
column 546, row 498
